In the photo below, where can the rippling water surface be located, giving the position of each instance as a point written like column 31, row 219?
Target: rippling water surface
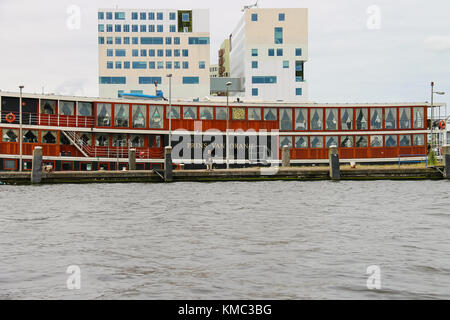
column 231, row 240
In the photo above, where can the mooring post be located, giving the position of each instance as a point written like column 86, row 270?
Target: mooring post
column 36, row 174
column 132, row 159
column 286, row 157
column 335, row 170
column 168, row 166
column 446, row 159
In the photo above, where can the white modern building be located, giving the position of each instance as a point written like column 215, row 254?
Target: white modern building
column 269, row 48
column 137, row 47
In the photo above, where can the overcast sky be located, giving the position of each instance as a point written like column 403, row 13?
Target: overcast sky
column 348, row 62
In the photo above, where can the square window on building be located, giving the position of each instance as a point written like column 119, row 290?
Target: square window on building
column 176, row 52
column 298, row 91
column 109, row 16
column 143, row 28
column 143, row 52
column 254, row 17
column 281, row 17
column 134, row 28
column 168, row 52
column 172, row 16
column 118, row 65
column 109, row 28
column 185, row 65
column 134, row 16
column 159, row 28
column 119, row 15
column 160, row 53
column 176, row 64
column 109, row 65
column 151, row 52
column 101, row 40
column 185, row 52
column 135, row 53
column 279, row 52
column 151, row 65
column 159, row 16
column 143, row 16
column 126, row 65
column 151, row 28
column 109, row 40
column 126, row 40
column 109, row 52
column 176, row 40
column 271, row 52
column 285, row 64
column 254, row 92
column 185, row 17
column 173, row 28
column 278, row 35
column 151, row 16
column 126, row 28
column 135, row 40
column 201, row 65
column 254, row 64
column 101, row 28
column 118, row 28
column 168, row 64
column 168, row 40
column 254, row 52
column 160, row 65
column 118, row 40
column 298, row 52
column 101, row 16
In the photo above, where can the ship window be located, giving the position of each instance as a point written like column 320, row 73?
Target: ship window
column 285, row 119
column 221, row 113
column 347, row 119
column 119, row 140
column 156, row 116
column 30, row 136
column 121, row 115
column 270, row 114
column 48, row 137
column 376, row 118
column 285, row 141
column 361, row 119
column 301, row 119
column 10, row 164
column 157, row 142
column 254, row 114
column 84, row 109
column 139, row 114
column 391, row 141
column 419, row 140
column 405, row 140
column 189, row 112
column 301, row 142
column 347, row 142
column 418, row 115
column 376, row 141
column 206, row 113
column 361, row 141
column 11, row 135
column 332, row 141
column 66, row 108
column 175, row 113
column 317, row 142
column 238, row 113
column 316, row 119
column 331, row 119
column 137, row 141
column 101, row 140
column 405, row 118
column 85, row 139
column 48, row 107
column 104, row 114
column 390, row 119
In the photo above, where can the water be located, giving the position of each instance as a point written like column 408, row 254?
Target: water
column 233, row 240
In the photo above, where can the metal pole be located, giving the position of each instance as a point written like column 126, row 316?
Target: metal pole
column 170, row 110
column 227, row 146
column 20, row 128
column 431, row 127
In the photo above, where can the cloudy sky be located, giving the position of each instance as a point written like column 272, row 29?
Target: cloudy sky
column 353, row 56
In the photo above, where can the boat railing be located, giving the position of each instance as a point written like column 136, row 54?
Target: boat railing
column 400, row 160
column 58, row 120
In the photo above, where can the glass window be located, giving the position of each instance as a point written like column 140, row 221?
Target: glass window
column 221, row 113
column 376, row 141
column 175, row 114
column 185, row 65
column 135, row 40
column 278, row 35
column 254, row 52
column 281, row 17
column 361, row 119
column 376, row 116
column 254, row 64
column 191, row 80
column 301, row 142
column 418, row 117
column 201, row 65
column 137, row 141
column 134, row 28
column 419, row 139
column 206, row 113
column 390, row 119
column 331, row 116
column 168, row 40
column 189, row 112
column 347, row 142
column 185, row 17
column 139, row 114
column 362, row 141
column 405, row 118
column 332, row 141
column 48, row 107
column 104, row 111
column 185, row 52
column 101, row 140
column 151, row 65
column 109, row 52
column 86, row 139
column 109, row 40
column 151, row 28
column 316, row 119
column 126, row 28
column 109, row 15
column 118, row 64
column 119, row 40
column 119, row 140
column 119, row 15
column 101, row 15
column 172, row 16
column 84, row 109
column 176, row 52
column 121, row 115
column 143, row 15
column 101, row 40
column 238, row 113
column 176, row 40
column 316, row 142
column 301, row 119
column 347, row 119
column 159, row 28
column 285, row 119
column 135, row 52
column 285, row 141
column 168, row 64
column 10, row 135
column 151, row 16
column 48, row 137
column 270, row 114
column 254, row 17
column 156, row 116
column 118, row 28
column 134, row 16
column 285, row 64
column 279, row 52
column 405, row 140
column 391, row 141
column 126, row 40
column 101, row 28
column 298, row 52
column 254, row 114
column 254, row 92
column 176, row 64
column 109, row 28
column 67, row 108
column 298, row 91
column 159, row 16
column 143, row 28
column 271, row 52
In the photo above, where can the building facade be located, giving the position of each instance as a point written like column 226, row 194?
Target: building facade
column 269, row 49
column 224, row 59
column 138, row 47
column 214, row 71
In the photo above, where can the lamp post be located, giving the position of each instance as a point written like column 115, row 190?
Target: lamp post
column 170, row 108
column 20, row 128
column 227, row 143
column 432, row 111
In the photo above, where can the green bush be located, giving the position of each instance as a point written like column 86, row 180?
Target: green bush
column 432, row 159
